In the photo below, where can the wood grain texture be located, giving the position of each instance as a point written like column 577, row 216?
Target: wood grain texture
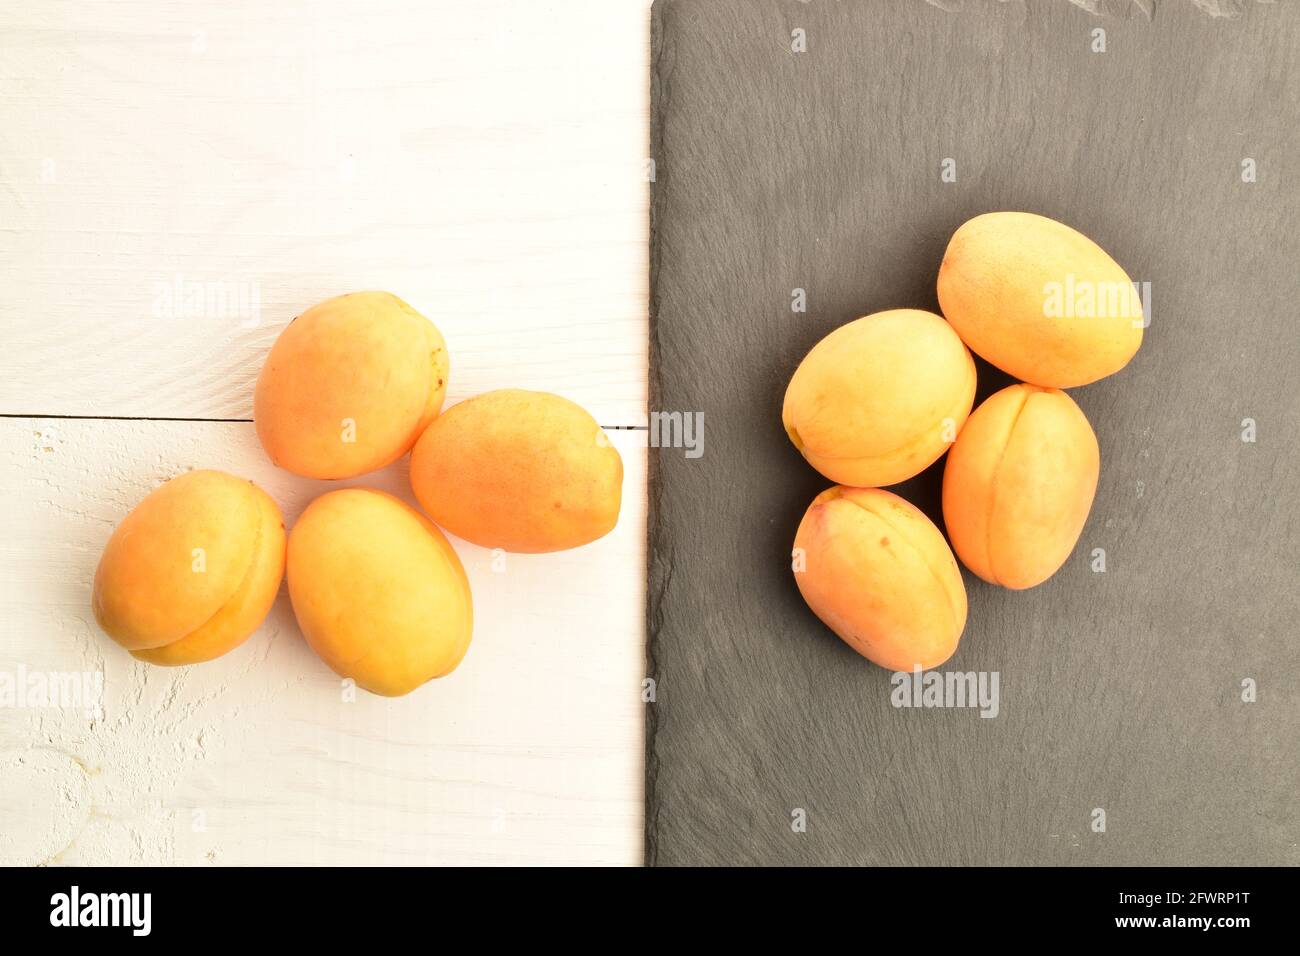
column 1121, row 690
column 530, row 752
column 484, row 161
column 176, row 183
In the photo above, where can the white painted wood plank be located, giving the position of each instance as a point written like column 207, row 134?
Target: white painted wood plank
column 485, row 161
column 531, row 751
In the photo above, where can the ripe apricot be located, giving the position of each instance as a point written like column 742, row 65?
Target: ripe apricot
column 192, row 571
column 378, row 591
column 1039, row 300
column 880, row 399
column 1018, row 485
column 349, row 386
column 519, row 470
column 878, row 573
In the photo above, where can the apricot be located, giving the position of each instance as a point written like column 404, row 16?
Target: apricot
column 378, row 591
column 1039, row 300
column 881, row 398
column 1018, row 485
column 878, row 573
column 518, row 470
column 192, row 571
column 349, row 386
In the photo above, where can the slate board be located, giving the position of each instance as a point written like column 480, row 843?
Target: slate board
column 1121, row 690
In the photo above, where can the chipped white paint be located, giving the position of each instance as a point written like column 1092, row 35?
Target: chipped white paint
column 486, row 162
column 530, row 751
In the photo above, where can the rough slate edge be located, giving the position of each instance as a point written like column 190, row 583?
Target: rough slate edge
column 660, row 564
column 655, row 567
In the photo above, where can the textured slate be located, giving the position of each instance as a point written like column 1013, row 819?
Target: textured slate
column 1121, row 690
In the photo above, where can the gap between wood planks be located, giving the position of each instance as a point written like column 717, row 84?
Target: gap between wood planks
column 162, row 418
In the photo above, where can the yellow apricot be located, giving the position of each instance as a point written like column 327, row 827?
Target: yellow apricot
column 349, row 386
column 518, row 470
column 878, row 573
column 1039, row 300
column 192, row 571
column 881, row 398
column 1018, row 485
column 378, row 591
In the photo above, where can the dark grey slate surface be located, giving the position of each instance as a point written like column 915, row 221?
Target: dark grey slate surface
column 1120, row 690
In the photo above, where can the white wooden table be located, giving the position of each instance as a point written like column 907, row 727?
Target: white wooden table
column 177, row 181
